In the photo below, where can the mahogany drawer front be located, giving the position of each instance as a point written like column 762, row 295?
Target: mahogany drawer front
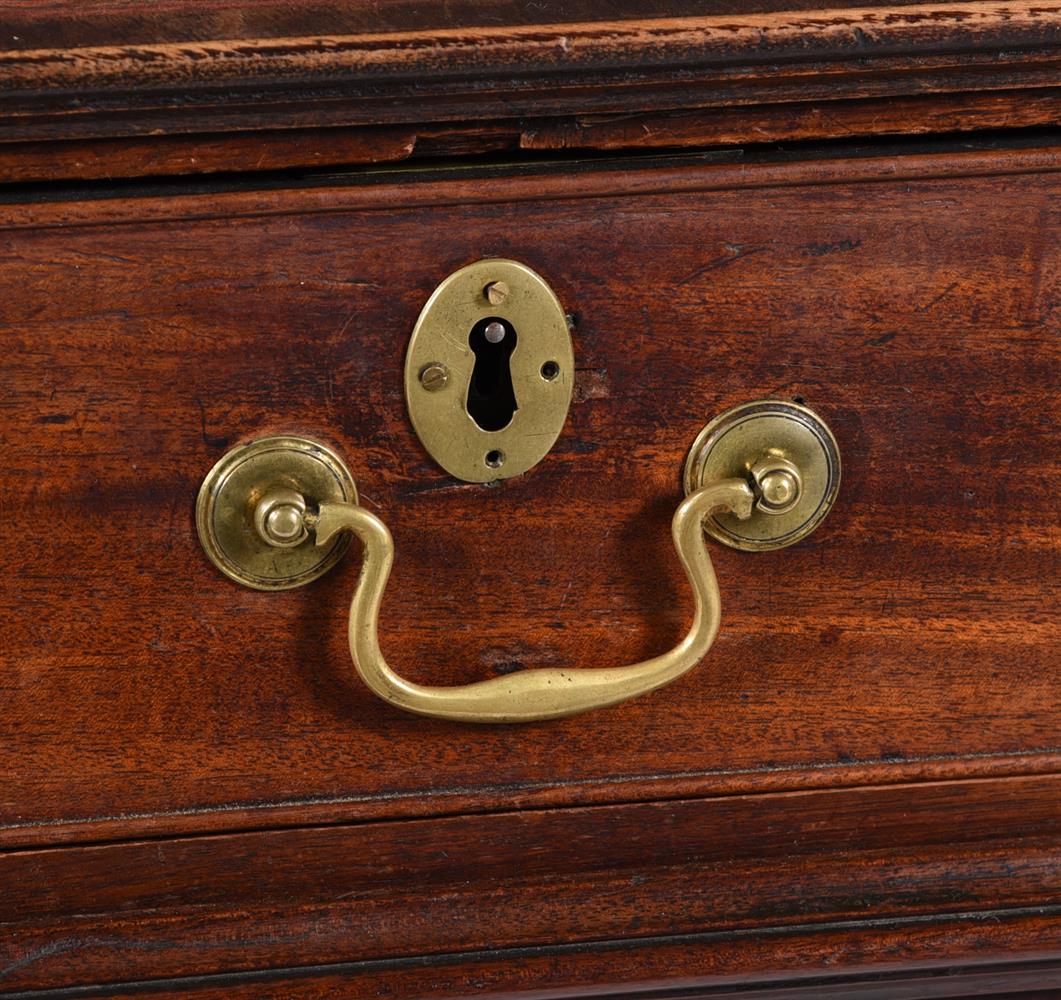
column 914, row 304
column 941, row 880
column 220, row 222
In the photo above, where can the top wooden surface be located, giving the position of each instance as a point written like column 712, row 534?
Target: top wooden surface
column 118, row 72
column 31, row 24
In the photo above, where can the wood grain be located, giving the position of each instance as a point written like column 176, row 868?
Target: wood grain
column 331, row 149
column 194, row 80
column 703, row 127
column 855, row 795
column 271, row 150
column 876, row 960
column 790, row 864
column 36, row 25
column 912, row 636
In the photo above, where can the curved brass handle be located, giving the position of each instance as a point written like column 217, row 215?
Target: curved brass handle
column 547, row 693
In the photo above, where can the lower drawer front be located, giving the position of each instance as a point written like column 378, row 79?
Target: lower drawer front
column 913, row 303
column 937, row 880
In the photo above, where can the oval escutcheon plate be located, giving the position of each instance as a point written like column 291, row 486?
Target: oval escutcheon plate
column 489, row 371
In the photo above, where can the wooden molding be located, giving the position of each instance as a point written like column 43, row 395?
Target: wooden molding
column 418, row 76
column 945, row 865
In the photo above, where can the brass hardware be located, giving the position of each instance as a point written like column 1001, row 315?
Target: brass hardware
column 434, row 377
column 256, row 520
column 253, row 517
column 779, row 484
column 496, row 292
column 509, row 304
column 544, row 693
column 789, row 458
column 759, row 476
column 279, row 518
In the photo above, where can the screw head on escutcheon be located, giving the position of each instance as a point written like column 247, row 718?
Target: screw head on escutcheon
column 496, row 292
column 434, row 376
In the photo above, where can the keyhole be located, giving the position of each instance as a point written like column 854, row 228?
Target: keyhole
column 491, row 398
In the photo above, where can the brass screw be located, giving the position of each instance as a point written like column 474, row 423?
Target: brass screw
column 496, row 292
column 434, row 376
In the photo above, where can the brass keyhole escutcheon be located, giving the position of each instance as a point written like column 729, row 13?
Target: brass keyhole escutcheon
column 489, row 371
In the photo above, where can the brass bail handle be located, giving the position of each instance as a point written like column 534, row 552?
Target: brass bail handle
column 761, row 476
column 531, row 695
column 543, row 693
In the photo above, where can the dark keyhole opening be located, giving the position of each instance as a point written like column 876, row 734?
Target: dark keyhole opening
column 491, row 398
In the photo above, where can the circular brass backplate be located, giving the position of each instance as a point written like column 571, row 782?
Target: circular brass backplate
column 735, row 441
column 224, row 512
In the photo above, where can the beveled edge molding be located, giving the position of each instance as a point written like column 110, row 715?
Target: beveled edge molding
column 383, row 191
column 743, row 868
column 999, row 953
column 711, row 61
column 210, row 819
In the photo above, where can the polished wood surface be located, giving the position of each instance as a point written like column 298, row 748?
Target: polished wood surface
column 37, row 25
column 770, row 873
column 911, row 636
column 900, row 961
column 219, row 221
